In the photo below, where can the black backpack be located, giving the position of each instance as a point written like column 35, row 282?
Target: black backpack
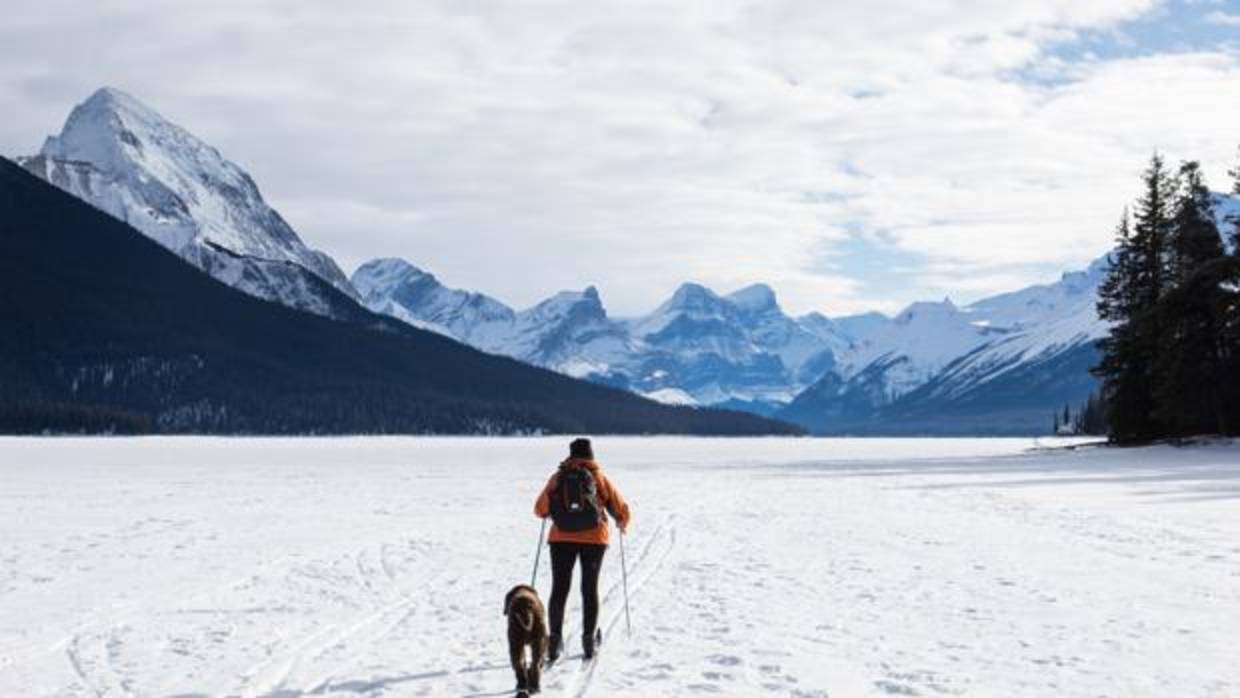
column 575, row 501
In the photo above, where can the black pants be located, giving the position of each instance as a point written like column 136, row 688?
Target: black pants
column 563, row 557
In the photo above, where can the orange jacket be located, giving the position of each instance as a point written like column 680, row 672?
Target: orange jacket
column 610, row 497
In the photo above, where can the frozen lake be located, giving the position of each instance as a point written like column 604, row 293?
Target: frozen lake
column 796, row 567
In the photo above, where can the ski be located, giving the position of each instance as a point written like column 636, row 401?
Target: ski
column 584, row 668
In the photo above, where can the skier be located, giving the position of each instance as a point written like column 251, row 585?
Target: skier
column 578, row 498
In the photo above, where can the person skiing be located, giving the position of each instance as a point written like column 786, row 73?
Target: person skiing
column 578, row 497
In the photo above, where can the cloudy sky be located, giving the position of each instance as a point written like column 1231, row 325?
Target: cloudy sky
column 854, row 155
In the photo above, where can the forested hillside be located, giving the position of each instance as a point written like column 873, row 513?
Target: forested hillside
column 102, row 329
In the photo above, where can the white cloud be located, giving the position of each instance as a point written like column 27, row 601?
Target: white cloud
column 523, row 148
column 1224, row 18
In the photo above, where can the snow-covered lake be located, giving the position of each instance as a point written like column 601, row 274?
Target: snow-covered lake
column 799, row 567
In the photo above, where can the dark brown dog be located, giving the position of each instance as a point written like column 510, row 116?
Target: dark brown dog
column 527, row 627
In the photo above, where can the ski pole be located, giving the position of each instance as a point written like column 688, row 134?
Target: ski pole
column 624, row 570
column 538, row 552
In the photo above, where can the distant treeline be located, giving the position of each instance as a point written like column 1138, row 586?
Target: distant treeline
column 1171, row 364
column 67, row 418
column 1089, row 418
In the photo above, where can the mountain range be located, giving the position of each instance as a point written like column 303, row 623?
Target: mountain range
column 697, row 348
column 857, row 374
column 1000, row 365
column 102, row 326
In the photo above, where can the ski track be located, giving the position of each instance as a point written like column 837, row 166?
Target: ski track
column 578, row 683
column 282, row 568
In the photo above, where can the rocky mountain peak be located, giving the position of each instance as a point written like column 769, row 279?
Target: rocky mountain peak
column 928, row 311
column 755, row 299
column 386, row 272
column 123, row 157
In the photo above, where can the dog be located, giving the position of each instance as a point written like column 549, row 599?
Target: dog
column 527, row 628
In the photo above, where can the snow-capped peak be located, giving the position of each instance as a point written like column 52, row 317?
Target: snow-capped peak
column 584, row 303
column 818, row 323
column 124, row 158
column 385, row 273
column 928, row 311
column 693, row 296
column 1086, row 281
column 402, row 290
column 756, row 298
column 108, row 129
column 690, row 301
column 1038, row 305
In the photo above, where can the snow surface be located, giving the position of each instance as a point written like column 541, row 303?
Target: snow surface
column 782, row 567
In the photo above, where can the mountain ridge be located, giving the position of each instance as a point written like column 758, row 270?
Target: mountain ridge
column 126, row 159
column 107, row 320
column 735, row 349
column 699, row 347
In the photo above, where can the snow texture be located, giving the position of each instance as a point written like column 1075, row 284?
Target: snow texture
column 781, row 567
column 125, row 159
column 1041, row 322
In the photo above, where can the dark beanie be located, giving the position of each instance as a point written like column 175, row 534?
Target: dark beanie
column 580, row 448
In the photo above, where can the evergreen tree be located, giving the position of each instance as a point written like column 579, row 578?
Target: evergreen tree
column 1128, row 299
column 1151, row 229
column 1223, row 278
column 1188, row 365
column 1194, row 235
column 1090, row 417
column 1198, row 377
column 1117, row 305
